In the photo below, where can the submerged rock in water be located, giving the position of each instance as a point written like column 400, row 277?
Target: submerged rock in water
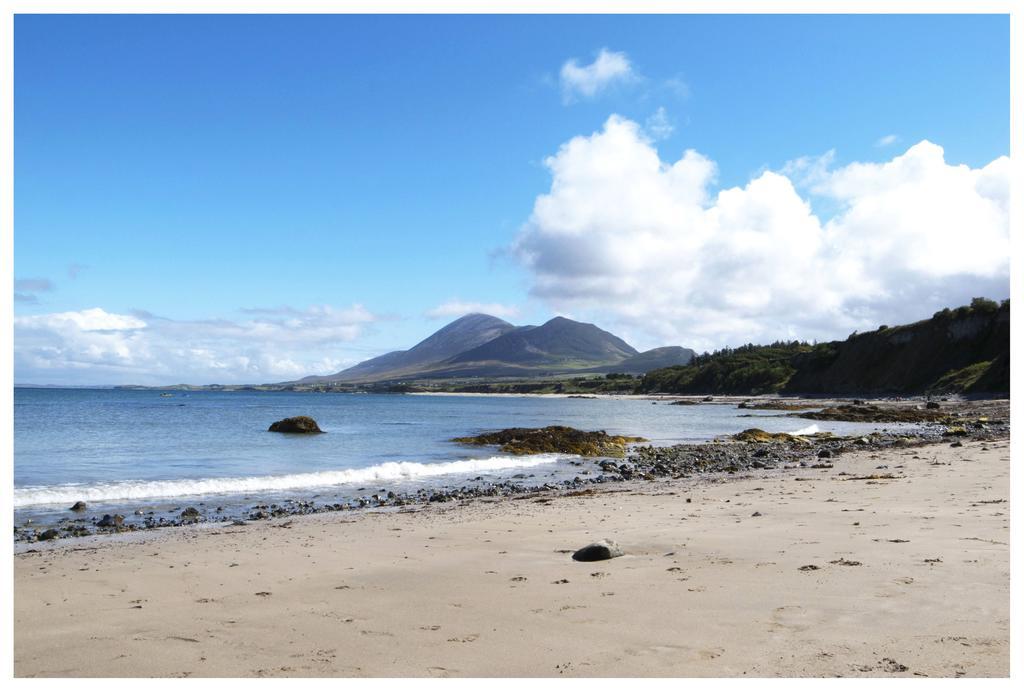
column 602, row 550
column 296, row 424
column 78, row 507
column 554, row 439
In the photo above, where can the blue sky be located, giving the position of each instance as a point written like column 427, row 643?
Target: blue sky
column 194, row 168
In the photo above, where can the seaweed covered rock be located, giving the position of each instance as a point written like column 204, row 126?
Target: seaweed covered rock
column 774, row 405
column 870, row 413
column 296, row 424
column 758, row 435
column 554, row 439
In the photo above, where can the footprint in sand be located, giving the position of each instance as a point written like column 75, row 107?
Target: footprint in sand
column 376, row 633
column 790, row 617
column 710, row 654
column 465, row 640
column 843, row 562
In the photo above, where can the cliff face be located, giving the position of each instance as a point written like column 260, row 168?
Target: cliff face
column 963, row 350
column 966, row 350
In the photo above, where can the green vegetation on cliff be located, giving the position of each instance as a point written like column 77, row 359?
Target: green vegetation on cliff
column 748, row 369
column 966, row 350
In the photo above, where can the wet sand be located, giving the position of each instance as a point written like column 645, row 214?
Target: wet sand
column 910, row 577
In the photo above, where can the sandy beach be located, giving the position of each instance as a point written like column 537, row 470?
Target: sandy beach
column 807, row 572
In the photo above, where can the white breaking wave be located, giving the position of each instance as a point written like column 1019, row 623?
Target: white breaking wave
column 388, row 471
column 809, row 430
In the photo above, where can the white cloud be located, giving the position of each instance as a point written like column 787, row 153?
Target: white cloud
column 94, row 320
column 887, row 140
column 658, row 125
column 458, row 308
column 98, row 347
column 644, row 245
column 587, row 81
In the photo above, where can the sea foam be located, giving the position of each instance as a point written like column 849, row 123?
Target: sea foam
column 388, row 471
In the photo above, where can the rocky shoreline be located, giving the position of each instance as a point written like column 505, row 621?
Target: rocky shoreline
column 746, row 452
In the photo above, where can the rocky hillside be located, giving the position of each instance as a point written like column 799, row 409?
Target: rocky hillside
column 966, row 350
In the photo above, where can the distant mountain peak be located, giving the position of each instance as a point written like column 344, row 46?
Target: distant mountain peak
column 464, row 333
column 481, row 345
column 557, row 341
column 472, row 317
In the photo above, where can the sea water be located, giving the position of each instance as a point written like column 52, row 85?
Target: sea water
column 146, row 451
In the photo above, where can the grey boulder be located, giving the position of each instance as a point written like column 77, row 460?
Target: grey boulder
column 602, row 550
